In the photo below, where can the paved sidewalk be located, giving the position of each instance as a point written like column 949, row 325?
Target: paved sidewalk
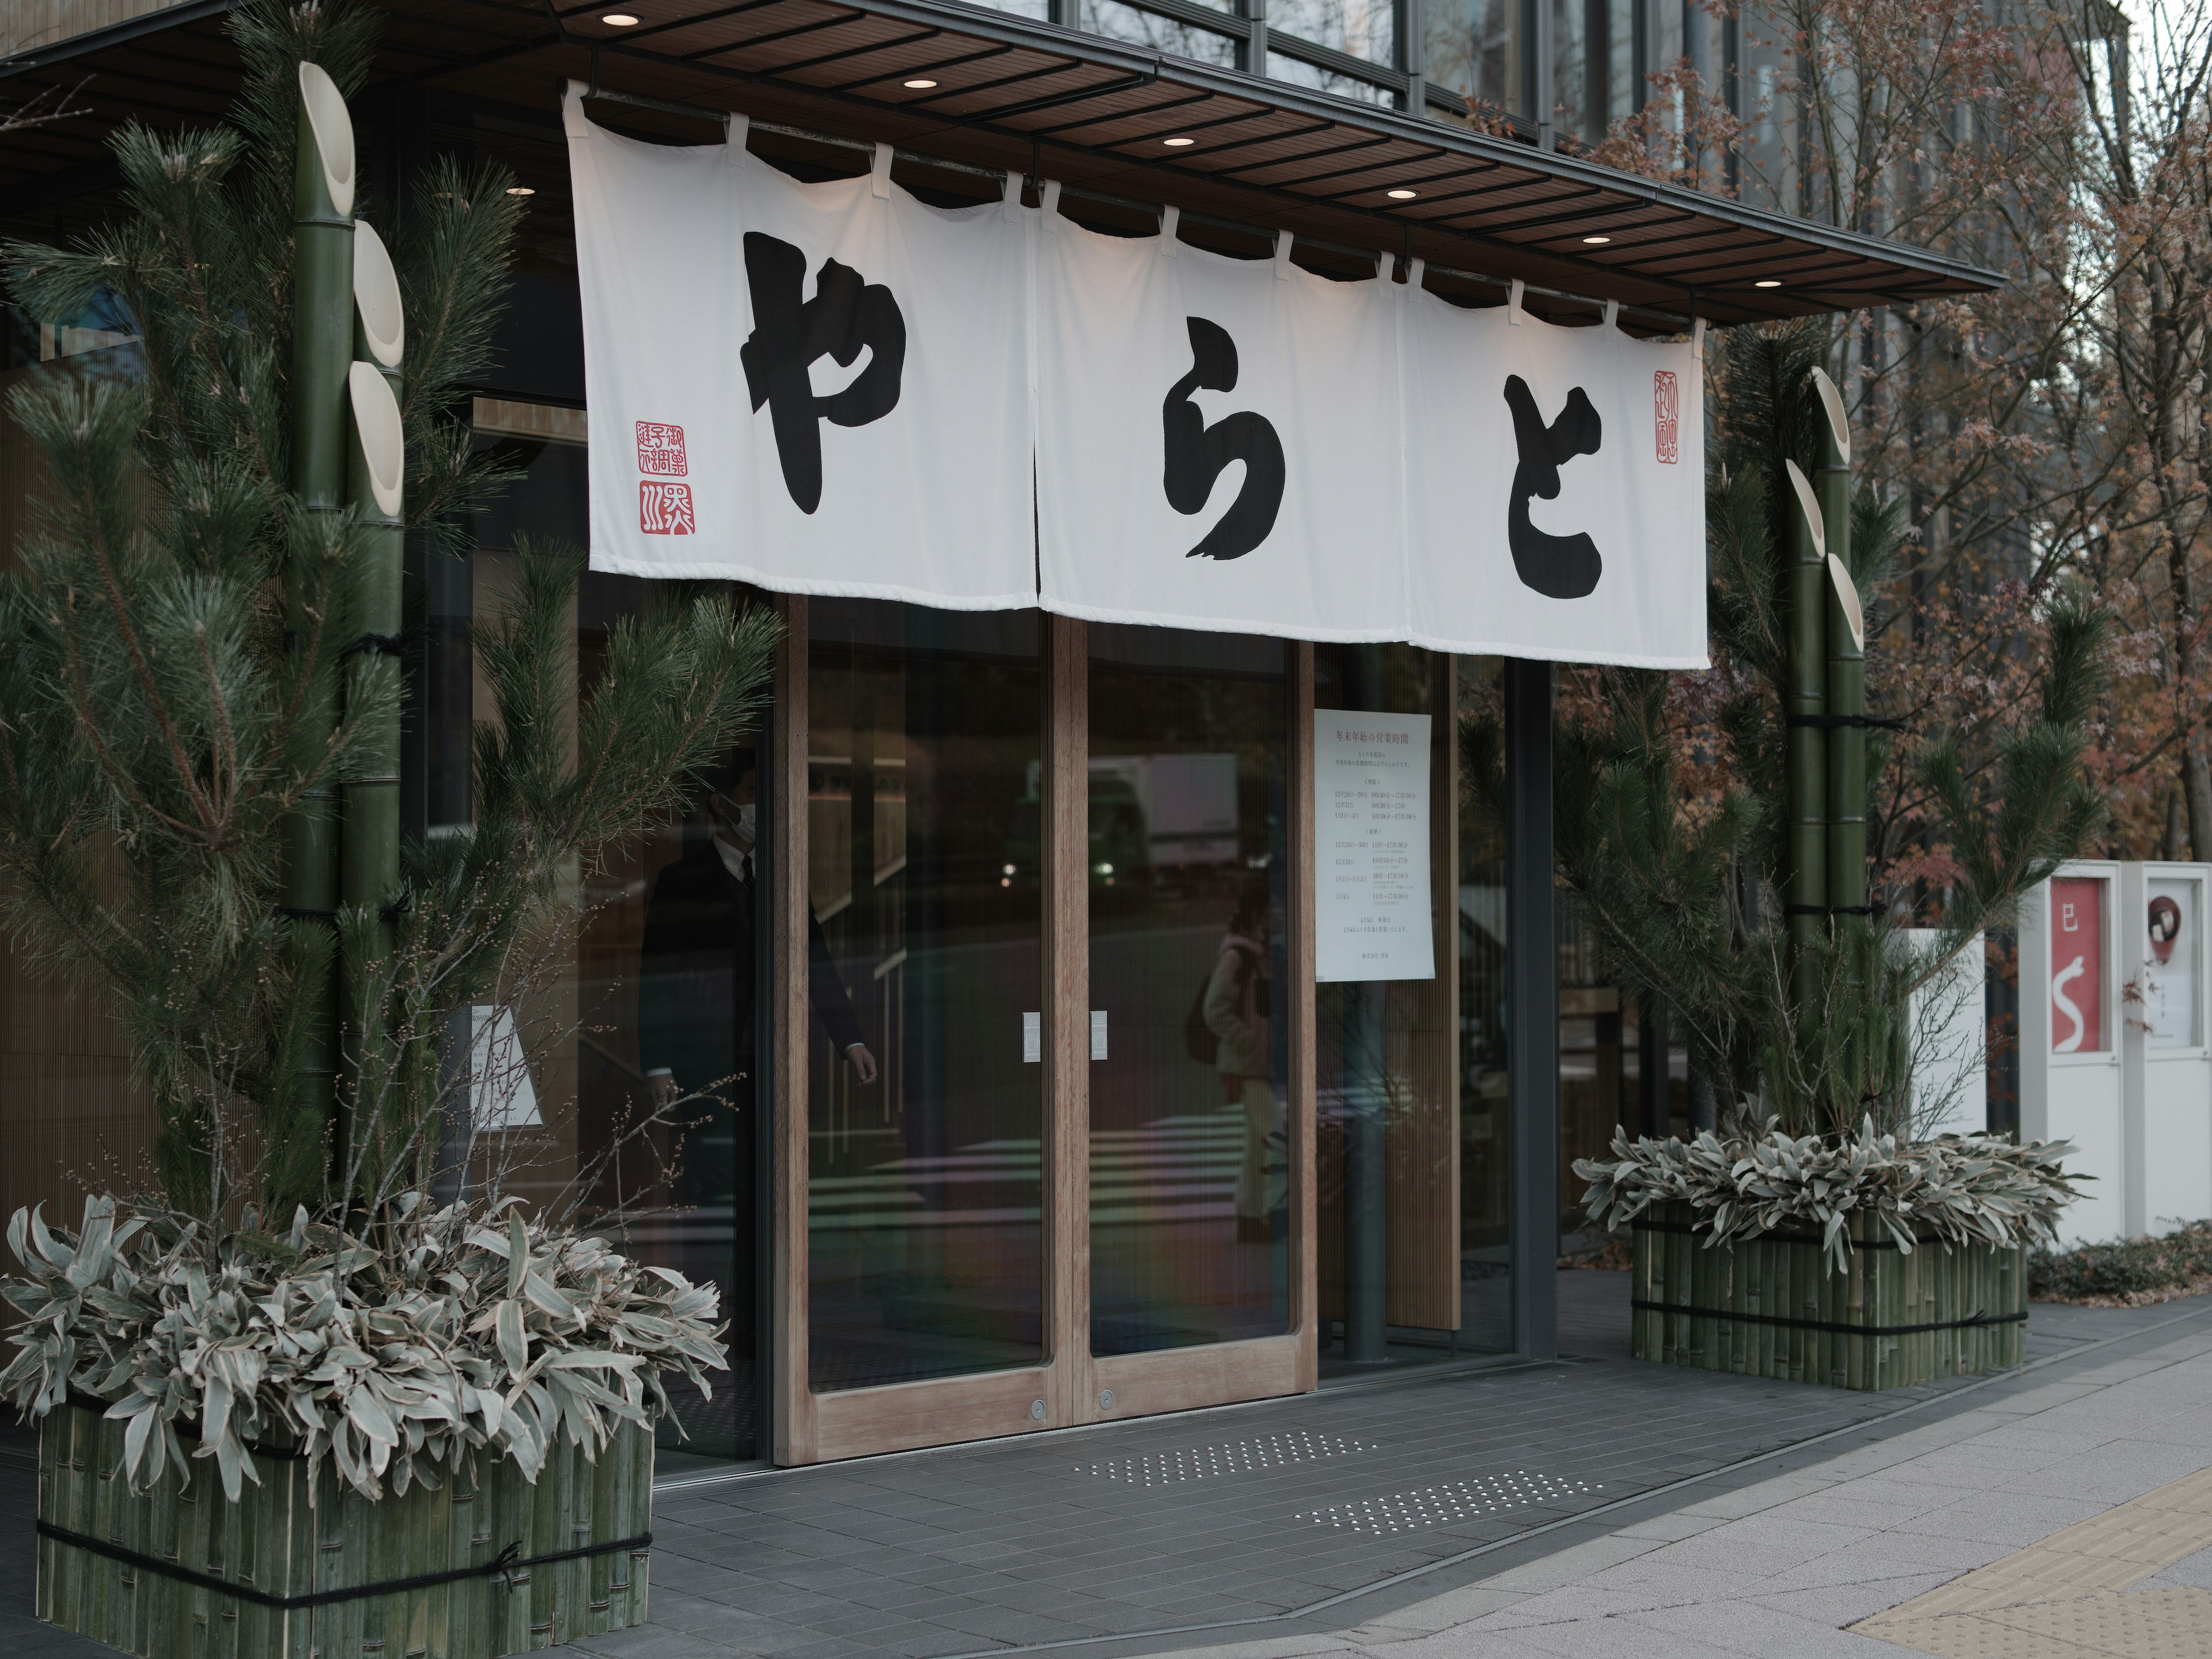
column 2050, row 1519
column 1398, row 1511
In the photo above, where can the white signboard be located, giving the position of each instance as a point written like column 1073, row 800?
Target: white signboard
column 1372, row 898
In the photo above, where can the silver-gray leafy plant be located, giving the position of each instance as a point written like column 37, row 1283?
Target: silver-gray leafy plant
column 464, row 1331
column 1959, row 1189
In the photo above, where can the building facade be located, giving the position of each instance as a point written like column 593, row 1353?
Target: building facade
column 1029, row 1108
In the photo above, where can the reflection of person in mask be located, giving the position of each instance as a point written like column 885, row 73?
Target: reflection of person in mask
column 696, row 980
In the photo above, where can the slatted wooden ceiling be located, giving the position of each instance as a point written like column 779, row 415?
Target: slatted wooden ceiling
column 1092, row 112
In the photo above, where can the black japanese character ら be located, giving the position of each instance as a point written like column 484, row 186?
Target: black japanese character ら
column 846, row 315
column 1557, row 567
column 1197, row 453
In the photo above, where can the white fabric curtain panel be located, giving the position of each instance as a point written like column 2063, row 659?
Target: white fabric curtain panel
column 819, row 388
column 1555, row 490
column 1217, row 440
column 836, row 389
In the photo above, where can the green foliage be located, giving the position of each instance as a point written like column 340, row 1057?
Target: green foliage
column 161, row 713
column 1969, row 1189
column 458, row 1330
column 2127, row 1269
column 1682, row 890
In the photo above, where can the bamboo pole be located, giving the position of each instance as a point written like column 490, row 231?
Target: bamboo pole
column 322, row 332
column 368, row 839
column 1806, row 759
column 1845, row 627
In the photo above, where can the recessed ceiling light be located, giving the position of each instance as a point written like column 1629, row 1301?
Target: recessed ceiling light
column 1768, row 282
column 621, row 19
column 1402, row 195
column 1596, row 241
column 521, row 189
column 918, row 86
column 1177, row 143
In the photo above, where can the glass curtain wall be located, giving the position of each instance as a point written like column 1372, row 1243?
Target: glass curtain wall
column 616, row 1065
column 925, row 1096
column 1478, row 49
column 1189, row 1070
column 1484, row 1242
column 1410, row 1073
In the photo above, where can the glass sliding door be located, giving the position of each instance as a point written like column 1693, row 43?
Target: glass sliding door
column 1387, row 1052
column 924, row 1087
column 1189, row 1057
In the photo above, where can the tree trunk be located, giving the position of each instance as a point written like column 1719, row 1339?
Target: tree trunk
column 2196, row 785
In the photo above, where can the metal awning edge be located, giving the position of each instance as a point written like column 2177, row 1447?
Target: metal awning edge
column 981, row 23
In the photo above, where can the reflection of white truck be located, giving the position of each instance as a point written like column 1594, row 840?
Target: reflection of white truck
column 1189, row 803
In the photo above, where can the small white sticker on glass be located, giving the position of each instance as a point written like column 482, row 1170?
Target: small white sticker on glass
column 1032, row 1038
column 1098, row 1034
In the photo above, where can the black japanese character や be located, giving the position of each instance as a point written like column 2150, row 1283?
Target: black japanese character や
column 1557, row 567
column 845, row 315
column 1197, row 453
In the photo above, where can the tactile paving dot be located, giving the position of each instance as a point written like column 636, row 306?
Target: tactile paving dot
column 1267, row 1451
column 1457, row 1500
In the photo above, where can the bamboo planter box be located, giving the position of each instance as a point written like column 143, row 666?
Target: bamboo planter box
column 181, row 1573
column 1769, row 1306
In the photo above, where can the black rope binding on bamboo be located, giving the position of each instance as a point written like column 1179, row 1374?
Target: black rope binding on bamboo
column 1646, row 1306
column 505, row 1565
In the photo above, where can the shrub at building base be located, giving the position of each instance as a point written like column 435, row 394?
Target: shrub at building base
column 306, row 1445
column 1851, row 1261
column 492, row 1563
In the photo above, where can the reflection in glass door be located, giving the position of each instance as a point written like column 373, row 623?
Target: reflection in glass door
column 1188, row 1074
column 925, row 1086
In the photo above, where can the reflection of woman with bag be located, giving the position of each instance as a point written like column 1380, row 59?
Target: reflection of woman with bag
column 1235, row 1005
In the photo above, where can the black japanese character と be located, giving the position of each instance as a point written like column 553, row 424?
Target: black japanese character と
column 846, row 315
column 1557, row 567
column 1197, row 453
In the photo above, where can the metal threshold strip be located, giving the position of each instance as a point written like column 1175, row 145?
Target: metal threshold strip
column 1677, row 321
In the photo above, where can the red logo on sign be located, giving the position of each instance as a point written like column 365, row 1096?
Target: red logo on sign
column 660, row 449
column 664, row 509
column 1666, row 405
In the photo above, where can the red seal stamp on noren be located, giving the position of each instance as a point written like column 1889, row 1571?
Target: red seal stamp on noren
column 660, row 449
column 664, row 509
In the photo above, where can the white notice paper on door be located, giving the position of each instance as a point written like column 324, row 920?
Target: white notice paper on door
column 1371, row 847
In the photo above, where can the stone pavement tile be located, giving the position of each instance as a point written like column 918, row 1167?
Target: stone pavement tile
column 648, row 1642
column 1769, row 1632
column 1576, row 1562
column 1876, row 1501
column 1564, row 1605
column 1273, row 1647
column 1764, row 1495
column 1439, row 1613
column 1676, row 1583
column 2007, row 1518
column 1838, row 1605
column 1884, row 1555
column 921, row 1641
column 2194, row 1570
column 1666, row 1529
column 1624, row 1638
column 1767, row 1542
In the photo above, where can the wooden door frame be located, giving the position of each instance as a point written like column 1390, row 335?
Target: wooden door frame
column 1065, row 1389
